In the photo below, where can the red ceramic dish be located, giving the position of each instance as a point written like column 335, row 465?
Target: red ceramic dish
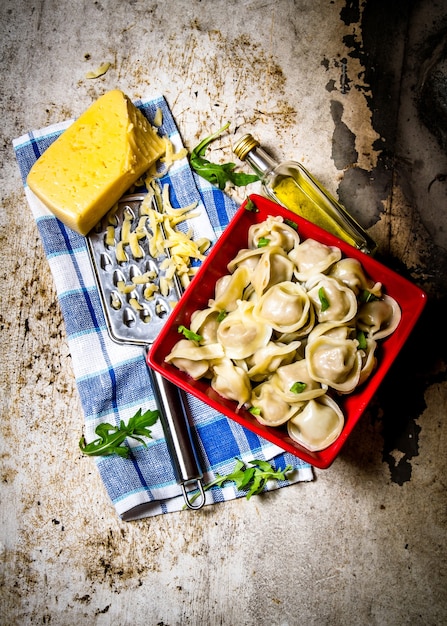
column 410, row 298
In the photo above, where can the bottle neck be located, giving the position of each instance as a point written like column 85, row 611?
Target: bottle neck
column 261, row 162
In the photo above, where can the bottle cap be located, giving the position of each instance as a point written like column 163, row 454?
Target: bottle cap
column 244, row 145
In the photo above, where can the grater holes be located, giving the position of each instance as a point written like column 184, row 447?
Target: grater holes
column 128, row 213
column 109, row 237
column 118, row 277
column 137, row 250
column 116, row 301
column 161, row 310
column 132, row 299
column 134, row 271
column 112, row 219
column 152, row 268
column 130, row 270
column 145, row 316
column 105, row 262
column 129, row 318
column 120, row 252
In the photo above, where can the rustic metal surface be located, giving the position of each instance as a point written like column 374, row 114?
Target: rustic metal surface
column 345, row 87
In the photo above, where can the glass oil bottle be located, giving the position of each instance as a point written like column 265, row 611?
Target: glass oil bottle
column 292, row 186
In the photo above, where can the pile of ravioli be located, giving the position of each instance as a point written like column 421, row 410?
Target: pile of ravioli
column 292, row 327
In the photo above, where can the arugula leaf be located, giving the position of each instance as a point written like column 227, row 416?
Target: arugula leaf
column 254, row 410
column 251, row 479
column 111, row 437
column 367, row 296
column 222, row 315
column 189, row 334
column 361, row 338
column 291, row 223
column 323, row 299
column 251, row 206
column 215, row 173
column 263, row 242
column 298, row 387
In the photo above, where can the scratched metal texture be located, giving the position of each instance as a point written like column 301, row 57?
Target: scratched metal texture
column 349, row 89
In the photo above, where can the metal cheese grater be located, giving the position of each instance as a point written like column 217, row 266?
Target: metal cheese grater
column 125, row 276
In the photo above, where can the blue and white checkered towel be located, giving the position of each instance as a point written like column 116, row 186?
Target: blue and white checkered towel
column 113, row 379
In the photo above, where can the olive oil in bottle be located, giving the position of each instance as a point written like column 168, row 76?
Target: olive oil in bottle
column 292, row 186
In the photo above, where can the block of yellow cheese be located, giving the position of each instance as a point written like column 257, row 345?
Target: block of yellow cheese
column 95, row 161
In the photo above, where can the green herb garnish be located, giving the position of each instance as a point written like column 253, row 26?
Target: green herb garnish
column 361, row 338
column 292, row 224
column 215, row 173
column 189, row 334
column 263, row 242
column 222, row 315
column 253, row 479
column 111, row 437
column 367, row 296
column 324, row 302
column 251, row 206
column 298, row 387
column 254, row 410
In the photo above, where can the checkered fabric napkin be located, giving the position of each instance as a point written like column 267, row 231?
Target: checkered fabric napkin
column 113, row 379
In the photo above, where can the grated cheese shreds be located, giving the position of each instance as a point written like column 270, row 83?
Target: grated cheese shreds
column 141, row 229
column 203, row 244
column 136, row 249
column 142, row 279
column 158, row 227
column 115, row 302
column 170, row 155
column 156, row 242
column 149, row 291
column 127, row 225
column 100, row 71
column 176, row 215
column 112, row 220
column 123, row 288
column 158, row 118
column 167, row 160
column 135, row 304
column 121, row 255
column 146, row 205
column 110, row 236
column 165, row 286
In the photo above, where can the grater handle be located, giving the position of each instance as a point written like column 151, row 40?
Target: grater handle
column 172, row 406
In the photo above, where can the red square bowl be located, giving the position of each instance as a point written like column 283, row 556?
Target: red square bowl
column 410, row 298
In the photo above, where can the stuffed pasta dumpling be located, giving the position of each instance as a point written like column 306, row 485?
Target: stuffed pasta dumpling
column 273, row 232
column 313, row 257
column 193, row 359
column 317, row 425
column 231, row 381
column 379, row 318
column 266, row 360
column 269, row 408
column 333, row 301
column 273, row 267
column 205, row 323
column 240, row 334
column 350, row 272
column 335, row 361
column 285, row 307
column 229, row 289
column 294, row 383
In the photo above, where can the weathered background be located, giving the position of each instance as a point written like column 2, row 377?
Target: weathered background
column 357, row 92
